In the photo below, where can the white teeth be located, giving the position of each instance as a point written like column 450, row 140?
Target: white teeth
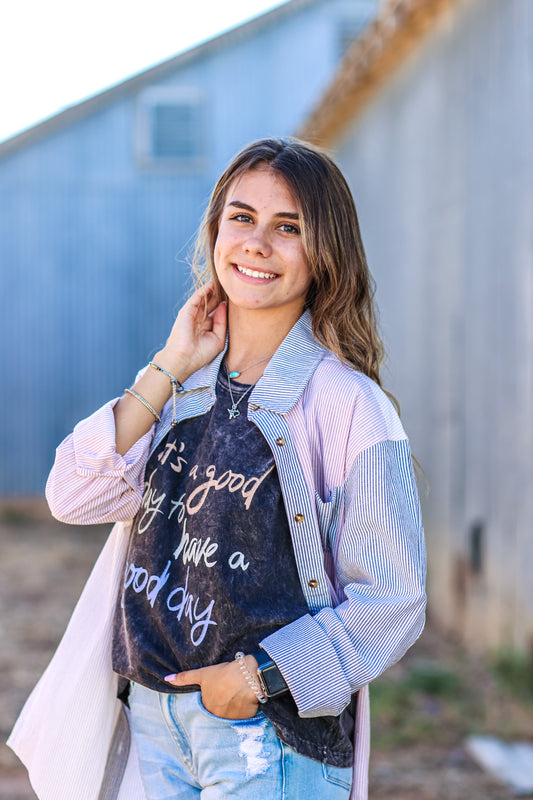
column 253, row 274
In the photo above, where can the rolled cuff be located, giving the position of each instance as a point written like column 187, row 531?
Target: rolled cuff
column 90, row 482
column 322, row 690
column 95, row 450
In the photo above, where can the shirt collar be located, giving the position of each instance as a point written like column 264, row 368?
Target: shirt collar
column 286, row 374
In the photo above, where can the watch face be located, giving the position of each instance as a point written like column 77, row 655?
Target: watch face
column 273, row 680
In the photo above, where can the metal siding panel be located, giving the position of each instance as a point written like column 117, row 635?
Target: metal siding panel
column 441, row 167
column 92, row 249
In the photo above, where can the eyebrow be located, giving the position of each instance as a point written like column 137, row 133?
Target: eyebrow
column 280, row 214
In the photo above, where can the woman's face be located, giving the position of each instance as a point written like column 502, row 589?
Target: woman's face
column 259, row 255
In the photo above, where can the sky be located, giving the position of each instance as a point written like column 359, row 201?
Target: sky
column 54, row 53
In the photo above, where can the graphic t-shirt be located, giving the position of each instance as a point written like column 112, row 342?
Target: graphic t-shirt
column 210, row 567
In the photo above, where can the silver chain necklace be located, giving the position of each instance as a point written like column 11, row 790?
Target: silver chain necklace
column 234, row 411
column 235, row 373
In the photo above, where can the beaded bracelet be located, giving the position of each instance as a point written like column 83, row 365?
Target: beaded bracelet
column 176, row 387
column 145, row 402
column 250, row 680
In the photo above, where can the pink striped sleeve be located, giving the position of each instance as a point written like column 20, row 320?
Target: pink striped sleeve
column 90, row 482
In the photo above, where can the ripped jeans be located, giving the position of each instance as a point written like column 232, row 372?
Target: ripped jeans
column 186, row 753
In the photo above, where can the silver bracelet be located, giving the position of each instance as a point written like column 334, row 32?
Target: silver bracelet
column 250, row 680
column 145, row 403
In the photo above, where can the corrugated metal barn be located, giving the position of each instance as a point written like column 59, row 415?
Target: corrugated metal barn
column 431, row 118
column 98, row 206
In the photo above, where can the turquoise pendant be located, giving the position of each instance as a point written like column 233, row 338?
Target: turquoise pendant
column 234, row 374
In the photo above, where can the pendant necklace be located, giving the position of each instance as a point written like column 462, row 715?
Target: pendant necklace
column 236, row 373
column 234, row 411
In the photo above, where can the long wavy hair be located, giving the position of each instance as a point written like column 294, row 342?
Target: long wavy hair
column 341, row 295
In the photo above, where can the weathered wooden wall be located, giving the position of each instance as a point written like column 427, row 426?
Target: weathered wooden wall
column 441, row 166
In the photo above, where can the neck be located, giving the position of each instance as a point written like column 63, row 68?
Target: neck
column 252, row 336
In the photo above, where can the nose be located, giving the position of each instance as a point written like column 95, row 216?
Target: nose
column 258, row 243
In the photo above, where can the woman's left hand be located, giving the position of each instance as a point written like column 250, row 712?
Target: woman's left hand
column 225, row 691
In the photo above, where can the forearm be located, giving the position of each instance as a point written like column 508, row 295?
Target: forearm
column 98, row 474
column 133, row 419
column 197, row 335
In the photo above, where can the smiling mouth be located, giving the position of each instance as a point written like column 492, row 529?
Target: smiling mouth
column 252, row 273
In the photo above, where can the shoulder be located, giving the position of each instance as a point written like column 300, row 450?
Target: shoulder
column 356, row 403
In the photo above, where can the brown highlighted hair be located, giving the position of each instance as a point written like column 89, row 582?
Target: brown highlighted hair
column 341, row 294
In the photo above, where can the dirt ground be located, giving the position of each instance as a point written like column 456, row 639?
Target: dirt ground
column 423, row 708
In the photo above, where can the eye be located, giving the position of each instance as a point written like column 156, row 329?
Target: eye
column 242, row 217
column 286, row 227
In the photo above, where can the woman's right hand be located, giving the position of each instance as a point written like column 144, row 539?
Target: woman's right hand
column 197, row 336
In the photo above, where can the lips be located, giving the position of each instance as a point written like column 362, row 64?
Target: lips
column 253, row 273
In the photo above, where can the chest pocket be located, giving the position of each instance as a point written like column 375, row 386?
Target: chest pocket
column 328, row 515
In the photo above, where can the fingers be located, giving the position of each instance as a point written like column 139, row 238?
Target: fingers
column 200, row 306
column 204, row 297
column 225, row 694
column 220, row 321
column 210, row 303
column 197, row 335
column 207, row 312
column 186, row 678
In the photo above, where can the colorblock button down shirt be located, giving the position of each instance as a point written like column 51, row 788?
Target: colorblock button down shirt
column 347, row 480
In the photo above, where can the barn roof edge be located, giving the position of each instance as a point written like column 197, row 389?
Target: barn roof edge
column 102, row 99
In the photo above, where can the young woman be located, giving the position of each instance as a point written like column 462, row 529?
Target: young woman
column 274, row 562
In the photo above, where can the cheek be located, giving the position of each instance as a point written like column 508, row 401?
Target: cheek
column 306, row 277
column 223, row 245
column 219, row 252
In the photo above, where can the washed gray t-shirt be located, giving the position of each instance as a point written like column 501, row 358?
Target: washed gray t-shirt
column 210, row 567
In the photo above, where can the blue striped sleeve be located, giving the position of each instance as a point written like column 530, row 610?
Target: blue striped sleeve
column 380, row 559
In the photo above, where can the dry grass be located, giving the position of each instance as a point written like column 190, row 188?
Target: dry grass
column 425, row 707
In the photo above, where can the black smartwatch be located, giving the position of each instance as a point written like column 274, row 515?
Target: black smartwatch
column 270, row 678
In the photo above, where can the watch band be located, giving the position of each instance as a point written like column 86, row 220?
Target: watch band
column 270, row 678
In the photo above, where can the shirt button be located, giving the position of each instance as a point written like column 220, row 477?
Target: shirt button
column 299, row 517
column 280, row 442
column 313, row 583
